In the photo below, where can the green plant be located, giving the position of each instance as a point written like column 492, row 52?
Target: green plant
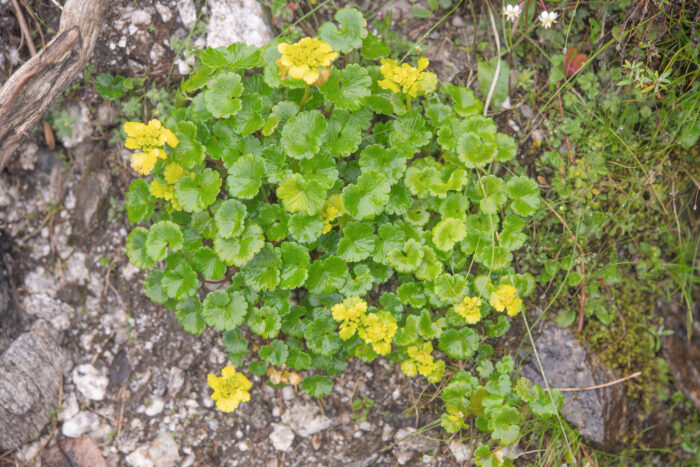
column 61, row 122
column 336, row 212
column 360, row 408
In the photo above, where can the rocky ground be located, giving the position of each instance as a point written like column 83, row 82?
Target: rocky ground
column 132, row 388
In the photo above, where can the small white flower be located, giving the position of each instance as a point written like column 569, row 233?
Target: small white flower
column 511, row 12
column 548, row 18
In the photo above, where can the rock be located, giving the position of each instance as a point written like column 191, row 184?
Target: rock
column 91, row 202
column 28, row 156
column 157, row 405
column 30, row 370
column 237, row 21
column 409, row 444
column 120, row 369
column 188, row 12
column 305, row 419
column 281, row 437
column 683, row 360
column 50, row 309
column 161, row 452
column 461, row 451
column 69, row 408
column 458, row 21
column 164, row 12
column 91, row 382
column 74, row 452
column 176, row 379
column 81, row 128
column 598, row 414
column 83, row 423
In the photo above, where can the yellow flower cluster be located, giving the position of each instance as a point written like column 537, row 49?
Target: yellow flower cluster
column 506, row 298
column 331, row 211
column 283, row 376
column 230, row 389
column 172, row 173
column 308, row 59
column 421, row 361
column 150, row 138
column 376, row 329
column 406, row 79
column 469, row 309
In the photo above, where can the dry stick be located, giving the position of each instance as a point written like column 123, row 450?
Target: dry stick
column 597, row 386
column 122, row 395
column 82, row 401
column 24, row 28
column 498, row 63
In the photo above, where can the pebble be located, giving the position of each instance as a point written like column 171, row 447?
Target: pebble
column 461, row 451
column 156, row 407
column 458, row 21
column 84, row 422
column 176, row 378
column 164, row 12
column 161, row 452
column 305, row 419
column 90, row 382
column 281, row 437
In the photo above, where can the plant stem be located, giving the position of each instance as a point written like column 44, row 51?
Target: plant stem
column 307, row 96
column 408, row 103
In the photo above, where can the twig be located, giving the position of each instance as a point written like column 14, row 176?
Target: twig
column 597, row 386
column 122, row 394
column 82, row 401
column 24, row 28
column 498, row 63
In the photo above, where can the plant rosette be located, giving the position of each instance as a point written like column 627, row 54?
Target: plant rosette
column 368, row 215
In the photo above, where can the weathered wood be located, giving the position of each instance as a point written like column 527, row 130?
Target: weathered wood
column 30, row 374
column 31, row 90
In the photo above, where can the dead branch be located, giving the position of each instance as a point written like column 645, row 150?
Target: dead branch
column 31, row 90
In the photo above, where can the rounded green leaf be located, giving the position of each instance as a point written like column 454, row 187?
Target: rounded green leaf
column 301, row 194
column 326, row 276
column 196, row 194
column 136, row 249
column 303, row 133
column 525, row 195
column 208, row 264
column 139, row 201
column 229, row 218
column 189, row 151
column 238, row 251
column 366, row 198
column 390, row 162
column 160, row 235
column 263, row 271
column 347, row 37
column 321, row 336
column 357, row 242
column 295, row 265
column 245, row 176
column 189, row 315
column 225, row 311
column 180, row 282
column 298, row 360
column 152, row 287
column 275, row 354
column 265, row 322
column 317, row 386
column 459, row 344
column 448, row 232
column 305, row 228
column 347, row 87
column 221, row 96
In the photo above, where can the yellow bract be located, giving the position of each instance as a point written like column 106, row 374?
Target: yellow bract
column 230, row 389
column 174, row 172
column 161, row 190
column 421, row 361
column 150, row 138
column 506, row 298
column 349, row 313
column 330, row 211
column 406, row 79
column 378, row 330
column 469, row 309
column 305, row 59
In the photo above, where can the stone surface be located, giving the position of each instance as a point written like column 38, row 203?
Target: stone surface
column 683, row 360
column 30, row 372
column 91, row 382
column 91, row 202
column 10, row 325
column 81, row 452
column 409, row 444
column 281, row 437
column 81, row 424
column 598, row 414
column 305, row 419
column 237, row 21
column 461, row 451
column 81, row 128
column 50, row 309
column 161, row 452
